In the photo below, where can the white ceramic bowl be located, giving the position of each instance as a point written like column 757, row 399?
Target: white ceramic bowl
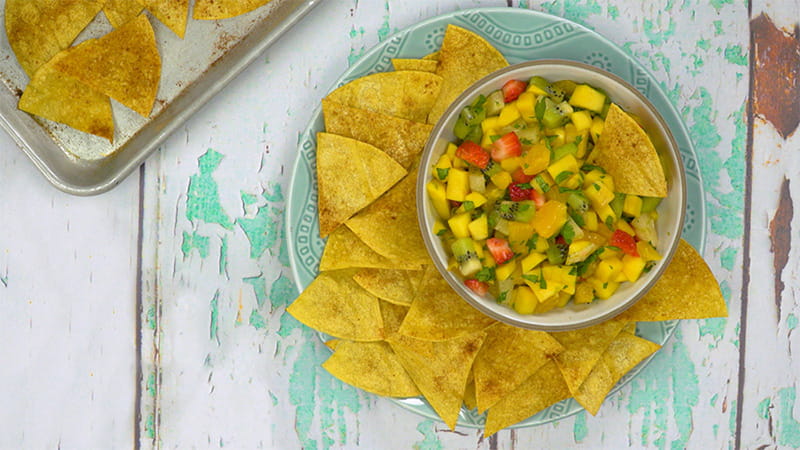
column 670, row 211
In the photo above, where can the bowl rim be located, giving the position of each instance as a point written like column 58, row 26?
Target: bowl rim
column 478, row 302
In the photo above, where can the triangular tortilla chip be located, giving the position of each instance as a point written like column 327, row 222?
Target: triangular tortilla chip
column 172, row 13
column 439, row 369
column 540, row 390
column 393, row 316
column 686, row 290
column 622, row 355
column 625, row 151
column 38, row 29
column 61, row 98
column 334, row 304
column 350, row 176
column 583, row 348
column 389, row 225
column 124, row 64
column 120, row 12
column 438, row 313
column 408, row 94
column 401, row 139
column 464, row 59
column 423, row 65
column 223, row 9
column 508, row 357
column 344, row 250
column 469, row 393
column 394, row 286
column 371, row 366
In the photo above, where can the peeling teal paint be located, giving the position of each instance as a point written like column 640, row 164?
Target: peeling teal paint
column 150, row 318
column 660, row 58
column 714, row 328
column 223, row 256
column 791, row 321
column 579, row 428
column 150, row 426
column 151, row 385
column 194, row 241
column 385, row 29
column 575, row 10
column 213, row 329
column 283, row 249
column 735, row 55
column 261, row 230
column 728, row 258
column 717, row 27
column 430, row 441
column 257, row 320
column 613, row 12
column 259, row 288
column 274, row 398
column 282, row 292
column 786, row 427
column 704, row 44
column 202, row 200
column 276, row 194
column 763, row 408
column 713, row 400
column 718, row 4
column 656, row 36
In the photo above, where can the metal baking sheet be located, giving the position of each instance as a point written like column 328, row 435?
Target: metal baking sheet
column 193, row 70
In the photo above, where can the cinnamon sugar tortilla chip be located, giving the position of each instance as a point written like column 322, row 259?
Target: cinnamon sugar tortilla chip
column 583, row 348
column 120, row 12
column 38, row 29
column 464, row 58
column 344, row 250
column 350, row 176
column 371, row 366
column 223, row 9
column 61, row 98
column 172, row 13
column 423, row 65
column 401, row 139
column 392, row 285
column 407, row 94
column 625, row 151
column 393, row 316
column 686, row 290
column 334, row 304
column 440, row 369
column 124, row 64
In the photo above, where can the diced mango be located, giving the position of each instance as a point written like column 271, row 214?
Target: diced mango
column 599, row 194
column 610, row 253
column 581, row 119
column 486, row 140
column 503, row 271
column 459, row 225
column 511, row 164
column 590, row 220
column 567, row 163
column 438, row 227
column 479, row 228
column 603, row 290
column 607, row 216
column 451, row 150
column 532, row 260
column 444, row 162
column 620, row 278
column 438, row 195
column 550, row 218
column 646, row 251
column 490, row 124
column 584, row 293
column 591, row 177
column 536, row 159
column 558, row 136
column 526, row 105
column 501, row 179
column 508, row 115
column 457, row 185
column 459, row 163
column 525, row 300
column 632, row 205
column 587, row 97
column 632, row 267
column 533, row 88
column 476, row 198
column 518, row 235
column 562, row 277
column 608, row 269
column 626, row 227
column 597, row 128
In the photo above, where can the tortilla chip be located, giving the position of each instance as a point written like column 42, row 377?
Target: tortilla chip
column 350, row 176
column 625, row 151
column 344, row 250
column 38, row 29
column 438, row 313
column 439, row 369
column 393, row 316
column 394, row 286
column 61, row 98
column 509, row 356
column 464, row 59
column 407, row 95
column 334, row 304
column 423, row 65
column 172, row 13
column 686, row 290
column 124, row 64
column 223, row 9
column 582, row 349
column 371, row 366
column 623, row 354
column 120, row 12
column 540, row 390
column 401, row 139
column 432, row 56
column 469, row 394
column 389, row 225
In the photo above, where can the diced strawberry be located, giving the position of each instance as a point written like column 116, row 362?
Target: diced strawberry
column 454, row 203
column 560, row 240
column 500, row 250
column 521, row 177
column 507, row 146
column 512, row 89
column 473, row 154
column 478, row 287
column 517, row 193
column 538, row 198
column 624, row 242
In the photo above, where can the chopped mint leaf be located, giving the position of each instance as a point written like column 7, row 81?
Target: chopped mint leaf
column 486, row 274
column 468, row 205
column 568, row 233
column 563, row 176
column 442, row 173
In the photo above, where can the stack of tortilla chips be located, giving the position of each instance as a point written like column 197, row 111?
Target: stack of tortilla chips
column 398, row 328
column 73, row 85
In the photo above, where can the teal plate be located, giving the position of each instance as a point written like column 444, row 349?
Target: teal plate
column 521, row 35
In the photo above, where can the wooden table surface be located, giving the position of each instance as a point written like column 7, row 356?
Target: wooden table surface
column 154, row 314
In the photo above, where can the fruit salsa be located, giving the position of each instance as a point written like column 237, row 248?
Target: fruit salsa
column 525, row 213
